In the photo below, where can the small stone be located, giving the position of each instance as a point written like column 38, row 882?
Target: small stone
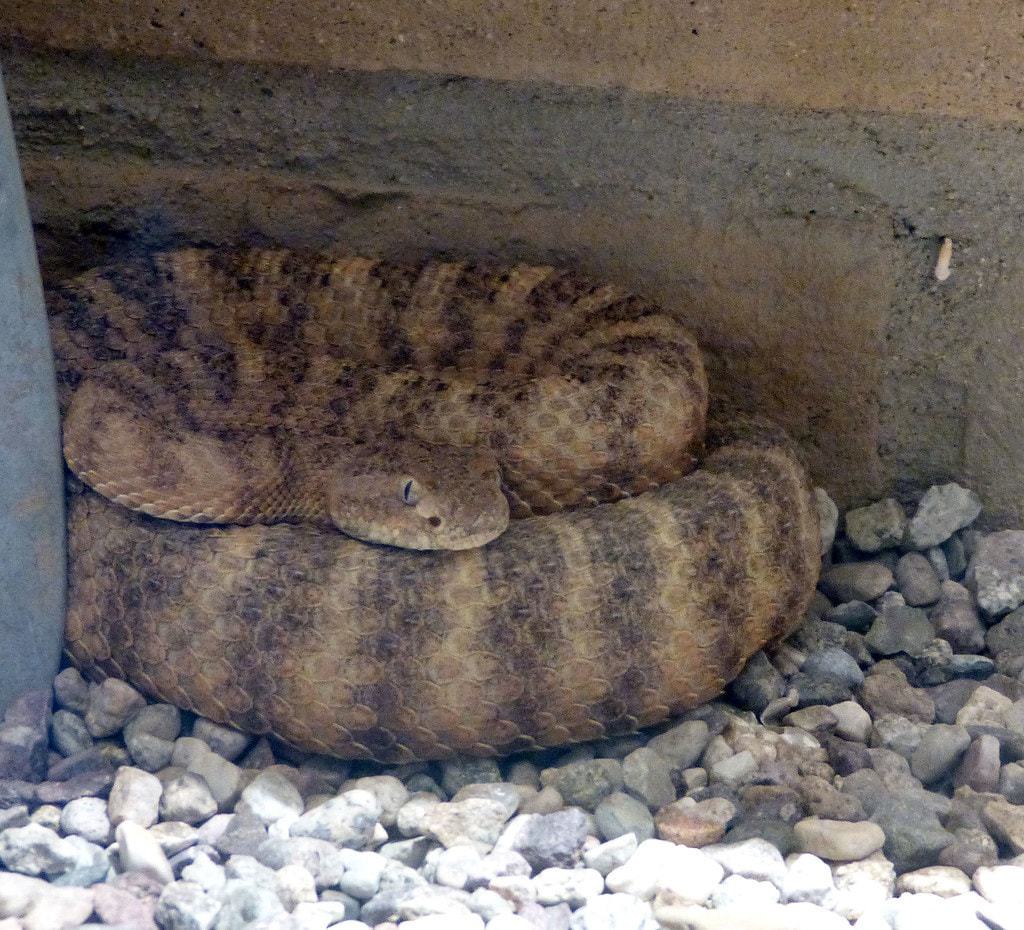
column 572, row 886
column 837, row 840
column 475, row 821
column 900, row 629
column 1006, row 823
column 139, row 850
column 620, row 814
column 834, row 663
column 757, row 685
column 227, row 742
column 985, row 707
column 852, row 721
column 941, row 880
column 68, row 733
column 188, row 799
column 611, row 912
column 856, row 581
column 585, row 783
column 458, row 773
column 36, row 850
column 1001, row 884
column 916, row 580
column 855, row 616
column 162, row 721
column 877, row 526
column 208, row 874
column 223, row 778
column 294, row 885
column 135, row 796
column 119, row 907
column 735, row 770
column 887, row 692
column 111, row 704
column 391, row 794
column 956, row 619
column 647, row 775
column 736, row 889
column 173, row 837
column 683, row 744
column 996, row 572
column 690, row 874
column 321, row 859
column 694, row 823
column 243, row 836
column 71, row 690
column 863, row 885
column 937, row 559
column 271, row 796
column 87, row 817
column 970, row 850
column 812, row 719
column 186, row 906
column 940, row 749
column 943, row 510
column 546, row 840
column 612, row 854
column 914, row 837
column 807, row 878
column 979, row 767
column 243, row 904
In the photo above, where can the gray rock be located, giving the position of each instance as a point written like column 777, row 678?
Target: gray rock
column 160, row 720
column 585, row 783
column 941, row 748
column 135, row 795
column 876, row 527
column 971, row 849
column 937, row 559
column 956, row 556
column 117, row 906
column 914, row 837
column 319, row 857
column 1011, row 781
column 834, row 663
column 243, row 836
column 458, row 773
column 242, row 904
column 111, row 703
column 68, row 733
column 917, row 580
column 150, row 753
column 392, row 794
column 853, row 615
column 943, row 510
column 822, row 799
column 23, row 752
column 614, row 912
column 900, row 629
column 996, row 572
column 979, row 767
column 956, row 619
column 227, row 742
column 647, row 775
column 186, row 906
column 757, row 685
column 856, row 581
column 546, row 840
column 188, row 799
column 619, row 814
column 71, row 690
column 611, row 854
column 683, row 744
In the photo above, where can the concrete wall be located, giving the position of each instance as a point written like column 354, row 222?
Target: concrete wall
column 781, row 172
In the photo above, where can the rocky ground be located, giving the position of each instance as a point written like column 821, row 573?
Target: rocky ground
column 868, row 772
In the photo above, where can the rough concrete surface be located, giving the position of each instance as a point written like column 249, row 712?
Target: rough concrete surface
column 799, row 242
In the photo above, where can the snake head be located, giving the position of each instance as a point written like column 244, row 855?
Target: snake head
column 417, row 495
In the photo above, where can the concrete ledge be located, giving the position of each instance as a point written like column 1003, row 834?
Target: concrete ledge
column 953, row 59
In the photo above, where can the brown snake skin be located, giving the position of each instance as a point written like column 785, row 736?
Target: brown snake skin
column 570, row 626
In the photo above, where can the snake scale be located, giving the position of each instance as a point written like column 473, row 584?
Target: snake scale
column 239, row 393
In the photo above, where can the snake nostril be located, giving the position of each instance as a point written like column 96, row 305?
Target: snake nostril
column 434, row 521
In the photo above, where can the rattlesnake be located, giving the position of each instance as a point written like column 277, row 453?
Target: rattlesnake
column 291, row 373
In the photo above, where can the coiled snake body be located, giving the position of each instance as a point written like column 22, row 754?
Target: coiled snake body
column 413, row 406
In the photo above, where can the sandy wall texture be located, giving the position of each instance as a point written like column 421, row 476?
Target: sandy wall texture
column 784, row 176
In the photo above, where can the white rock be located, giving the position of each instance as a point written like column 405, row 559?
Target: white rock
column 390, row 793
column 139, row 851
column 572, row 886
column 807, row 878
column 87, row 817
column 931, row 912
column 613, row 912
column 608, row 856
column 754, row 858
column 944, row 509
column 511, row 922
column 1001, row 884
column 205, row 872
column 36, row 850
column 828, row 518
column 135, row 796
column 942, row 880
column 734, row 770
column 451, row 867
column 271, row 796
column 803, row 916
column 658, row 863
column 185, row 906
column 862, row 886
column 320, row 915
column 363, row 871
column 739, row 890
column 347, row 820
column 445, row 922
column 488, row 904
column 294, row 885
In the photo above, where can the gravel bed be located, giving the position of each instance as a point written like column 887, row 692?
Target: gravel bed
column 868, row 772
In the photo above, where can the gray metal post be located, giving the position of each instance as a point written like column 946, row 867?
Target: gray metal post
column 32, row 554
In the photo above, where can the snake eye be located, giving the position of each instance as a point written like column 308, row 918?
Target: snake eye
column 410, row 492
